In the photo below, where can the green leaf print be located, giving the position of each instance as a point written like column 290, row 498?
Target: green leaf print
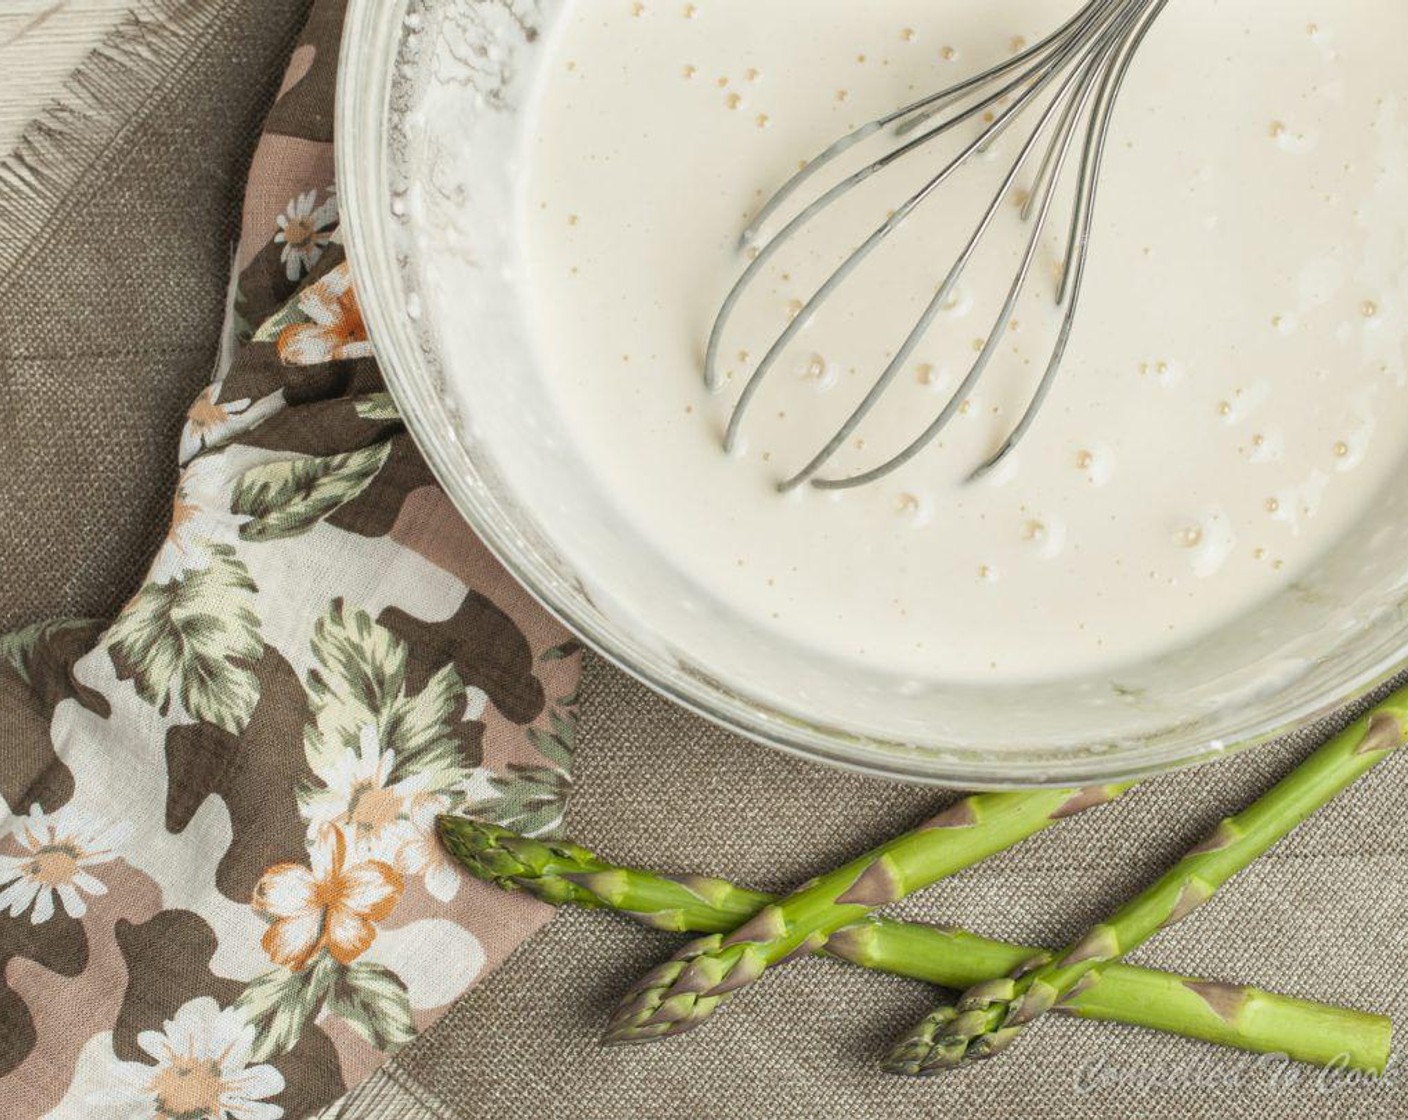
column 373, row 1001
column 569, row 648
column 280, row 1003
column 290, row 314
column 194, row 640
column 532, row 799
column 377, row 406
column 17, row 647
column 360, row 683
column 289, row 497
column 370, row 997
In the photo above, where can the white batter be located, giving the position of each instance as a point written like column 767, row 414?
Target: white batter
column 1232, row 402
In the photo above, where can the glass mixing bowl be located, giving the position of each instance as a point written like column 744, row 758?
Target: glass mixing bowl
column 432, row 115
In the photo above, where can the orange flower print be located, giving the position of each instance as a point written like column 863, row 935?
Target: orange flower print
column 336, row 332
column 327, row 905
column 195, row 525
column 183, row 514
column 209, row 422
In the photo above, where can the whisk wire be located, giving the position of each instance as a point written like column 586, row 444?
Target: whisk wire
column 819, row 298
column 766, row 251
column 909, row 118
column 1074, row 274
column 1081, row 81
column 935, row 103
column 1091, row 55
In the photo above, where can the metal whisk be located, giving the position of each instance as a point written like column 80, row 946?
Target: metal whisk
column 1085, row 62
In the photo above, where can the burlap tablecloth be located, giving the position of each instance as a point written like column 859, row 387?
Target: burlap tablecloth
column 111, row 298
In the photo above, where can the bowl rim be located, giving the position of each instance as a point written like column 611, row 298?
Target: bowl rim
column 363, row 87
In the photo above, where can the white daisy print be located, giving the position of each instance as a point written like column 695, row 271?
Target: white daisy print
column 57, row 850
column 423, row 854
column 378, row 816
column 304, row 231
column 202, row 1070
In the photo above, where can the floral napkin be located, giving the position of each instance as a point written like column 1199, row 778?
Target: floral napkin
column 220, row 891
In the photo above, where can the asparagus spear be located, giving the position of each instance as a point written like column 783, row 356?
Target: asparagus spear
column 682, row 993
column 560, row 872
column 989, row 1016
